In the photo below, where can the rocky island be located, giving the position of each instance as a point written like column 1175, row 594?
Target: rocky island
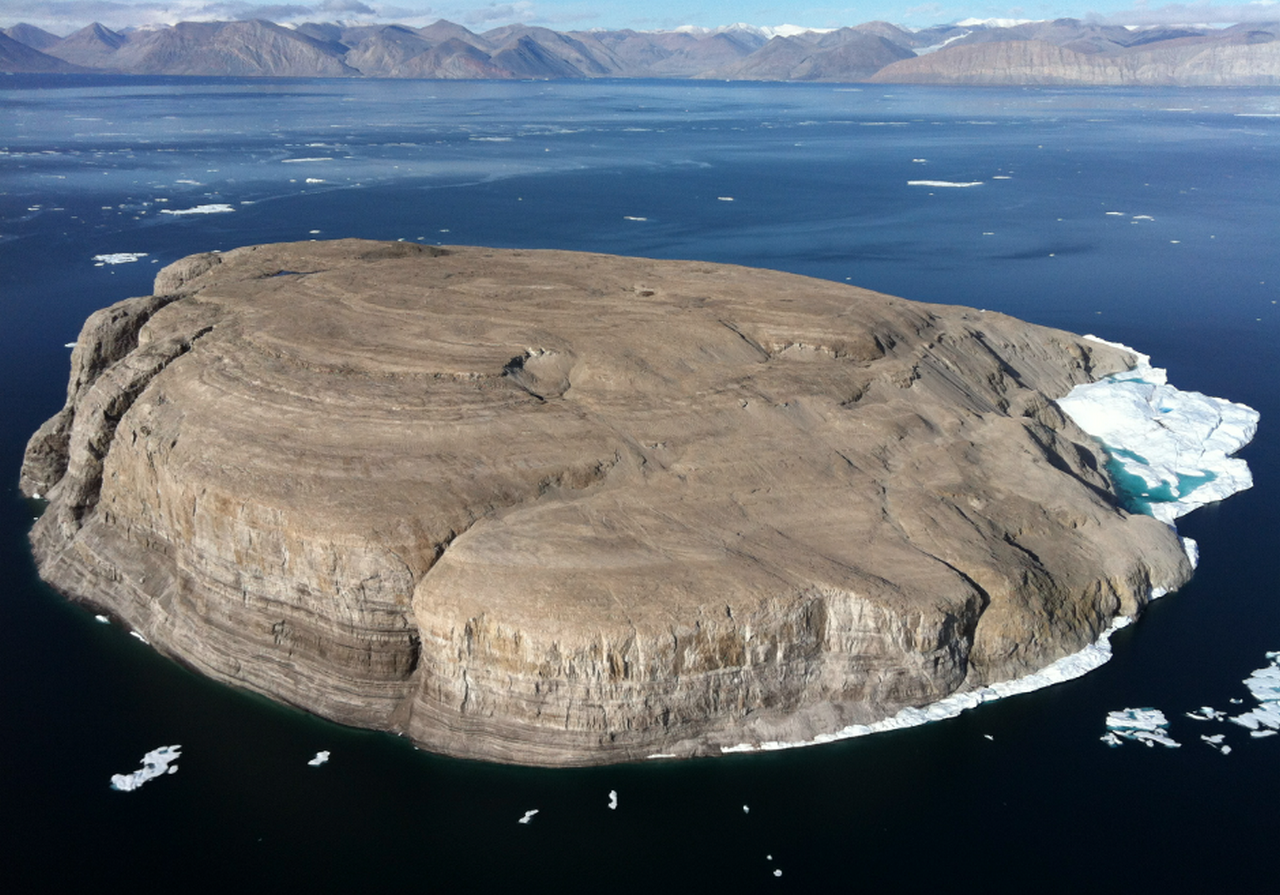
column 556, row 508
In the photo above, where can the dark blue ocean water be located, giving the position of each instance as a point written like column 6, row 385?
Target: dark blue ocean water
column 1147, row 217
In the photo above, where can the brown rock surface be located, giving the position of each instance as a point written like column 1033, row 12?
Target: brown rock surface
column 561, row 508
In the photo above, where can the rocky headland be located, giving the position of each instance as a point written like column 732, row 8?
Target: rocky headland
column 561, row 509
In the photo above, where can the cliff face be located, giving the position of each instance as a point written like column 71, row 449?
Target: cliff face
column 555, row 508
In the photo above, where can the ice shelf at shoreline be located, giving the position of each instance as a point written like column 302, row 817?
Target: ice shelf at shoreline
column 1170, row 450
column 1176, row 446
column 155, row 763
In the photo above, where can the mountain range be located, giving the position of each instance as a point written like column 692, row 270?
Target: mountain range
column 1063, row 51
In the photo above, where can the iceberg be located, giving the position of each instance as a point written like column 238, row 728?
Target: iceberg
column 321, row 757
column 613, row 800
column 217, row 208
column 528, row 816
column 1147, row 726
column 1264, row 684
column 942, row 183
column 155, row 763
column 1170, row 450
column 118, row 258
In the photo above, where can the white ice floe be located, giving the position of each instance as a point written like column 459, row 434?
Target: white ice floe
column 100, row 619
column 632, row 217
column 315, row 180
column 321, row 757
column 528, row 816
column 725, row 198
column 323, row 158
column 1264, row 684
column 943, row 183
column 746, row 809
column 1216, row 741
column 1170, row 449
column 217, row 208
column 118, row 258
column 155, row 763
column 613, row 800
column 1143, row 217
column 1206, row 713
column 1147, row 726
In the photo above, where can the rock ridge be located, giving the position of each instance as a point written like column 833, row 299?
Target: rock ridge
column 559, row 508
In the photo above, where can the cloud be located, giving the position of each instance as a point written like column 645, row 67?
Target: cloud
column 501, row 14
column 1193, row 13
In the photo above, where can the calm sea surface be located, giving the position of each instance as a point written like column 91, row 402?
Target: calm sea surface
column 1146, row 217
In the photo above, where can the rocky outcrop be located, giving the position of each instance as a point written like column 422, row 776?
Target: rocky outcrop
column 558, row 508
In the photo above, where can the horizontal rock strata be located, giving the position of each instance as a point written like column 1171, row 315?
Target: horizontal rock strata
column 559, row 508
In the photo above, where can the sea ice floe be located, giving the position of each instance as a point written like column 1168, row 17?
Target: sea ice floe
column 1147, row 726
column 1169, row 448
column 1264, row 684
column 118, row 258
column 155, row 763
column 613, row 800
column 216, row 208
column 1216, row 741
column 632, row 217
column 1206, row 713
column 528, row 816
column 321, row 757
column 323, row 158
column 943, row 183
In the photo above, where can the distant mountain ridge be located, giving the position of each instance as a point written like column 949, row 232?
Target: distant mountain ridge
column 1062, row 51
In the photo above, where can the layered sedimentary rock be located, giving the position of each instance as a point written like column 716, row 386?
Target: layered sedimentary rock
column 561, row 508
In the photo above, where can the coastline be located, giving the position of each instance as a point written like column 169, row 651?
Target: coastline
column 1146, row 426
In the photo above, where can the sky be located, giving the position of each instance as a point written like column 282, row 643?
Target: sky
column 63, row 16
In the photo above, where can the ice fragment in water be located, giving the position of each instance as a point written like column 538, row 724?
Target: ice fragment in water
column 155, row 763
column 1146, row 726
column 528, row 816
column 613, row 799
column 321, row 758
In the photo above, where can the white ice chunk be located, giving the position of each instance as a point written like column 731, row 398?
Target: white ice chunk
column 1147, row 726
column 1169, row 447
column 1264, row 684
column 102, row 619
column 155, row 763
column 119, row 257
column 632, row 217
column 528, row 816
column 324, row 158
column 1216, row 741
column 217, row 208
column 613, row 800
column 725, row 198
column 943, row 183
column 746, row 809
column 321, row 757
column 1206, row 713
